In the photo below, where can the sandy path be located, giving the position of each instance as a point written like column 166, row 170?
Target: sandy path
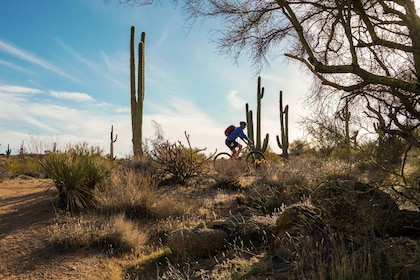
column 26, row 213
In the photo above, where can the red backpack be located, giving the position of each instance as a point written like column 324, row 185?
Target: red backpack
column 229, row 130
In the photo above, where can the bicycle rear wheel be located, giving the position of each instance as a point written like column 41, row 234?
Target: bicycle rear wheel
column 222, row 162
column 254, row 160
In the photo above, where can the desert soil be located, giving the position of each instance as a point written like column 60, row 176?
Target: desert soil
column 26, row 218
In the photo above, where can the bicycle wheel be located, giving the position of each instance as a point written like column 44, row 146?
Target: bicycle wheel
column 255, row 160
column 222, row 161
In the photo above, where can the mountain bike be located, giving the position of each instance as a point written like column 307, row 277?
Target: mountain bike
column 252, row 158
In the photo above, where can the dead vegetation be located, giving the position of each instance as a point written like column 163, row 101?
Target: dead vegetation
column 305, row 218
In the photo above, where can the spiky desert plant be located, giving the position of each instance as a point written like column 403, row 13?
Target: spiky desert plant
column 178, row 161
column 75, row 176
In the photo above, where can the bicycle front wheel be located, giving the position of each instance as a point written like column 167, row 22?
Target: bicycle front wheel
column 255, row 160
column 222, row 161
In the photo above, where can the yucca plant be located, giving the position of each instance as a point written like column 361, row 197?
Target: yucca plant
column 75, row 176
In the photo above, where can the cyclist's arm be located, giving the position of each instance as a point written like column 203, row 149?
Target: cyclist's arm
column 245, row 138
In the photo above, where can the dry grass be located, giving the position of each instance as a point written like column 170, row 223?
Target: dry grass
column 127, row 191
column 134, row 214
column 113, row 235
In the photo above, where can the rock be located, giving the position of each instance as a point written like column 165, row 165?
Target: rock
column 254, row 229
column 196, row 242
column 25, row 177
column 299, row 228
column 350, row 206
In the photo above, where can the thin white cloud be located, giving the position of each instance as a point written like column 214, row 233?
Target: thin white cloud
column 14, row 67
column 93, row 65
column 24, row 55
column 18, row 89
column 74, row 96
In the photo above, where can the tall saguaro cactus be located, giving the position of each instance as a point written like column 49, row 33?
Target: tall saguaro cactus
column 111, row 148
column 259, row 145
column 345, row 115
column 283, row 139
column 137, row 94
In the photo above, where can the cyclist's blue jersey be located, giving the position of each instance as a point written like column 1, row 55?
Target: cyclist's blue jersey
column 238, row 132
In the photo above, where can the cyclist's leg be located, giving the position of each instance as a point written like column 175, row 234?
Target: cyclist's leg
column 239, row 150
column 232, row 146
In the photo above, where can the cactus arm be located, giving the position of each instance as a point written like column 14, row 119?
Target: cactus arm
column 265, row 143
column 111, row 149
column 286, row 132
column 345, row 115
column 249, row 120
column 284, row 128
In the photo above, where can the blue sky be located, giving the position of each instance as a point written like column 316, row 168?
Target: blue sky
column 64, row 78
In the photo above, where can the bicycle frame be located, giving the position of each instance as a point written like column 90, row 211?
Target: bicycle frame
column 253, row 159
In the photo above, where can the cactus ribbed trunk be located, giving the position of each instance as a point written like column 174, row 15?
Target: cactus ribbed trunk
column 259, row 145
column 283, row 140
column 260, row 95
column 137, row 94
column 111, row 148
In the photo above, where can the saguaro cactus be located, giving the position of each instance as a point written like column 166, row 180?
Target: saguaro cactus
column 345, row 115
column 259, row 145
column 283, row 139
column 137, row 94
column 111, row 148
column 8, row 151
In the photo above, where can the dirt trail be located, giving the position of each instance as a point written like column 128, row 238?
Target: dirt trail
column 26, row 213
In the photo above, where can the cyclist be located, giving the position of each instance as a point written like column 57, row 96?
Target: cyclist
column 233, row 144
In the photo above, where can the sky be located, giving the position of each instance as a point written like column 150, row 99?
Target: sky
column 64, row 78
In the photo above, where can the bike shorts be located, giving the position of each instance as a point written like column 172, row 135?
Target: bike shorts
column 231, row 144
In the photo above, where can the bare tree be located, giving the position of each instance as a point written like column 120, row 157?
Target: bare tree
column 364, row 51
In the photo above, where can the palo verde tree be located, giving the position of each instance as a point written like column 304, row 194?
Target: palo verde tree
column 367, row 51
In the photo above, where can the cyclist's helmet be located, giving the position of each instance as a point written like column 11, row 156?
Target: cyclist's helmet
column 242, row 123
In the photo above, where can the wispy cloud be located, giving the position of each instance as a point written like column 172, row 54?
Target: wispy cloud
column 99, row 69
column 74, row 96
column 24, row 55
column 15, row 67
column 18, row 89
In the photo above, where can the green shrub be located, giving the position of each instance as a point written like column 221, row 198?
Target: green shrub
column 75, row 175
column 21, row 165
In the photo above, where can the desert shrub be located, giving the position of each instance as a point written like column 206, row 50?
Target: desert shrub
column 229, row 177
column 3, row 173
column 75, row 175
column 114, row 235
column 389, row 150
column 127, row 190
column 144, row 165
column 178, row 161
column 22, row 165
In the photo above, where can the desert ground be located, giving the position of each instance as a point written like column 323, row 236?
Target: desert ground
column 26, row 216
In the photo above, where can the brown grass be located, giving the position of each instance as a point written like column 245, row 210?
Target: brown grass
column 135, row 211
